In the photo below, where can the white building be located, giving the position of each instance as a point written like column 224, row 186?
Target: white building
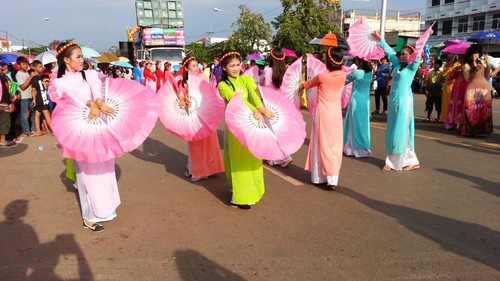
column 462, row 18
column 405, row 24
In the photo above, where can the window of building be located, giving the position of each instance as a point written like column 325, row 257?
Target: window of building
column 448, row 1
column 478, row 23
column 495, row 24
column 463, row 24
column 447, row 24
column 435, row 2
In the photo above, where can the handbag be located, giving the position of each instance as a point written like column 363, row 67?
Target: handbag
column 4, row 107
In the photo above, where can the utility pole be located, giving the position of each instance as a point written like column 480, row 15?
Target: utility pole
column 382, row 19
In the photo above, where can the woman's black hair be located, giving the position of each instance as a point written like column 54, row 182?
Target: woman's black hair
column 334, row 58
column 473, row 49
column 185, row 73
column 226, row 58
column 365, row 65
column 278, row 65
column 66, row 53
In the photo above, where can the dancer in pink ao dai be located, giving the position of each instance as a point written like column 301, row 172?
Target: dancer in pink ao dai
column 326, row 142
column 95, row 181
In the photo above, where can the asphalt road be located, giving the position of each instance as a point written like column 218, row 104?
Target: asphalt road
column 440, row 222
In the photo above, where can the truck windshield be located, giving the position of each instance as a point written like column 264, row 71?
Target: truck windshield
column 167, row 54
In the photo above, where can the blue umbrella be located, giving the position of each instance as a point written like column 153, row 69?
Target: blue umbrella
column 122, row 64
column 486, row 37
column 9, row 58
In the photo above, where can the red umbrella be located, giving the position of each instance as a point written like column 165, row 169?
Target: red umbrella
column 289, row 53
column 458, row 49
column 330, row 40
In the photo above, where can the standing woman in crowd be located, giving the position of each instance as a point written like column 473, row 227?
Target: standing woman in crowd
column 357, row 120
column 168, row 76
column 477, row 103
column 149, row 77
column 451, row 63
column 96, row 182
column 273, row 77
column 325, row 150
column 400, row 132
column 244, row 172
column 204, row 158
column 455, row 115
column 160, row 79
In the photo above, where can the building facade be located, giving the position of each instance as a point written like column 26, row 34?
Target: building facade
column 462, row 18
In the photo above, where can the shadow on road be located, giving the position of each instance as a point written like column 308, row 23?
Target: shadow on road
column 157, row 152
column 13, row 150
column 469, row 240
column 22, row 257
column 193, row 265
column 479, row 183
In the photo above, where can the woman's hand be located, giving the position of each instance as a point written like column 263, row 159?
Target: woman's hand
column 377, row 35
column 257, row 115
column 301, row 88
column 266, row 112
column 94, row 110
column 103, row 107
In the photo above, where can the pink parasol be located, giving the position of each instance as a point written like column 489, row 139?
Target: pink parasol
column 196, row 121
column 459, row 49
column 362, row 43
column 254, row 72
column 292, row 81
column 420, row 44
column 313, row 67
column 289, row 53
column 107, row 136
column 272, row 139
column 346, row 92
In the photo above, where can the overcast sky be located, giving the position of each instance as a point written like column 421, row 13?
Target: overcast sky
column 101, row 23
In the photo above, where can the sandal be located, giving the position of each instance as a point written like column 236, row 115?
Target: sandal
column 95, row 227
column 411, row 167
column 386, row 168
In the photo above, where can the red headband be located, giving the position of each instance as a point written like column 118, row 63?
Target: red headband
column 67, row 45
column 228, row 54
column 274, row 57
column 330, row 57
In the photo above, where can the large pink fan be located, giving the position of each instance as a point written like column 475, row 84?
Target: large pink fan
column 194, row 122
column 313, row 67
column 420, row 44
column 107, row 136
column 362, row 43
column 254, row 72
column 135, row 111
column 272, row 139
column 346, row 92
column 292, row 81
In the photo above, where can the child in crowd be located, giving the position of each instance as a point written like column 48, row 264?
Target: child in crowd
column 434, row 90
column 40, row 97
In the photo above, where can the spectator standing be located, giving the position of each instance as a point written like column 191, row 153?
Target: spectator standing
column 24, row 81
column 382, row 76
column 433, row 91
column 5, row 102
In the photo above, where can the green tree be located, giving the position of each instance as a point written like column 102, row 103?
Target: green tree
column 301, row 21
column 198, row 50
column 252, row 33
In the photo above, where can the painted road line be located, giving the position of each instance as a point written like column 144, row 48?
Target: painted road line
column 289, row 179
